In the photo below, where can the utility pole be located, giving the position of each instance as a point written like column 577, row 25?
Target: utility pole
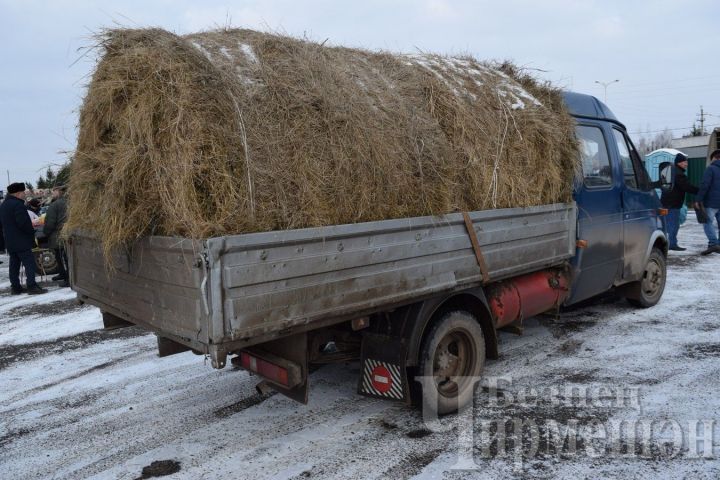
column 701, row 119
column 605, row 85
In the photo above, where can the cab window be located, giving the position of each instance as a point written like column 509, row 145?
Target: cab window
column 596, row 168
column 634, row 173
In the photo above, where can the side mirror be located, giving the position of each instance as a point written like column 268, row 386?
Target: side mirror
column 667, row 176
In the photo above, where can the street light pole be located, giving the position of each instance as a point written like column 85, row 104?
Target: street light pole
column 605, row 85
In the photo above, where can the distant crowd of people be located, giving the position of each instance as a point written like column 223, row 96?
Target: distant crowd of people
column 707, row 202
column 19, row 224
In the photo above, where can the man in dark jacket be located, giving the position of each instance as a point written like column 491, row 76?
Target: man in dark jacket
column 674, row 199
column 54, row 221
column 19, row 239
column 709, row 197
column 2, row 241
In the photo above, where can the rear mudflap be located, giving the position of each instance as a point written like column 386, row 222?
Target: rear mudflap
column 383, row 368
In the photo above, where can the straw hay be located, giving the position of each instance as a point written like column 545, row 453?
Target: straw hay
column 239, row 131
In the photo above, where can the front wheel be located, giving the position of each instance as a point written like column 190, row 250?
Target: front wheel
column 647, row 291
column 453, row 352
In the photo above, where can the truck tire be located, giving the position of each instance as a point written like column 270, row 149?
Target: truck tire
column 647, row 291
column 453, row 350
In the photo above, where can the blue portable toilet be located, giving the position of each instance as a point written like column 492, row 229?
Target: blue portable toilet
column 652, row 164
column 654, row 159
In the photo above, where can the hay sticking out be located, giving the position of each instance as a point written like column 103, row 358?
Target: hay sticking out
column 239, row 131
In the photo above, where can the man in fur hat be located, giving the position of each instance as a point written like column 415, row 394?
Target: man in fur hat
column 19, row 237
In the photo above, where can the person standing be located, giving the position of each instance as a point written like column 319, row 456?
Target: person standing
column 19, row 239
column 2, row 242
column 674, row 199
column 54, row 221
column 33, row 208
column 709, row 197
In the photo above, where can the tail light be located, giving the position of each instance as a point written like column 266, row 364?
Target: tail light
column 271, row 367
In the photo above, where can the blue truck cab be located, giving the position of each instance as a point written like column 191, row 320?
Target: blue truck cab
column 621, row 234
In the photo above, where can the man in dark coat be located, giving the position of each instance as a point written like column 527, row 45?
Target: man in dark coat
column 709, row 197
column 2, row 241
column 54, row 221
column 674, row 199
column 19, row 239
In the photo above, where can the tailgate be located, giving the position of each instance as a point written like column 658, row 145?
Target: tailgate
column 158, row 284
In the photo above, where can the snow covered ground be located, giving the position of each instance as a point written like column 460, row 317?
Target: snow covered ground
column 80, row 402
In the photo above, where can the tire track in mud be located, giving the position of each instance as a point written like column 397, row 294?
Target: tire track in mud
column 390, row 443
column 57, row 307
column 54, row 413
column 13, row 435
column 21, row 313
column 262, row 433
column 64, row 403
column 412, row 464
column 12, row 354
column 62, row 416
column 243, row 404
column 278, row 422
column 72, row 377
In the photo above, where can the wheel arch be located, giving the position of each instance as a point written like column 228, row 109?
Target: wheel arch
column 428, row 311
column 657, row 240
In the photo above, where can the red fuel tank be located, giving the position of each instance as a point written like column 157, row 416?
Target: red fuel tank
column 526, row 296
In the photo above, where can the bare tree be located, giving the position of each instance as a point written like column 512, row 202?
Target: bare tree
column 651, row 141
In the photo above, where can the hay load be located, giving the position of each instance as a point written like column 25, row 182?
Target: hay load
column 237, row 131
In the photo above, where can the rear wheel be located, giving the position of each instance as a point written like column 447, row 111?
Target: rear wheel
column 453, row 352
column 647, row 291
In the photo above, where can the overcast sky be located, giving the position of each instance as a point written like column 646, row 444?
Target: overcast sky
column 665, row 53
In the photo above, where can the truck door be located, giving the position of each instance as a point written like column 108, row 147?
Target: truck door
column 599, row 264
column 639, row 205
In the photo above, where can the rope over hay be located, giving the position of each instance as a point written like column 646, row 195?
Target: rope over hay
column 236, row 131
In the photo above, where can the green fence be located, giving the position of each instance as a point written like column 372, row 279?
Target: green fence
column 695, row 171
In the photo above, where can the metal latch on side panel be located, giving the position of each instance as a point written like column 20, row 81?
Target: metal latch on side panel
column 383, row 368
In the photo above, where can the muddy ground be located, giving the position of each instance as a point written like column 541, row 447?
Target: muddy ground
column 80, row 402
